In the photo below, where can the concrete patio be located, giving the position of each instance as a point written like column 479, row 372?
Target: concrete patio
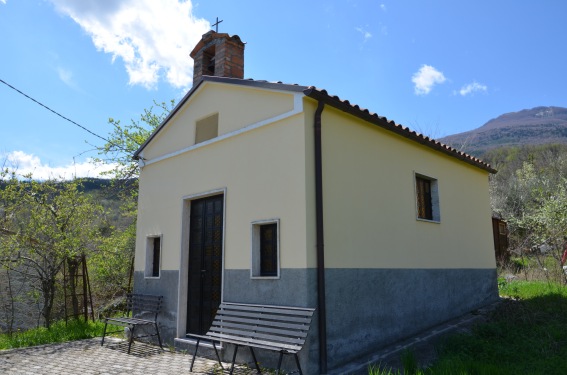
column 87, row 357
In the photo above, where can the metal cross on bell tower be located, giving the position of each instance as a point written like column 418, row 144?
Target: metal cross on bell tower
column 216, row 25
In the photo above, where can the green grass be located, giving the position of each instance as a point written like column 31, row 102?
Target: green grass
column 58, row 332
column 526, row 334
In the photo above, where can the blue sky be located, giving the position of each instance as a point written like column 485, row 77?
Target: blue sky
column 439, row 67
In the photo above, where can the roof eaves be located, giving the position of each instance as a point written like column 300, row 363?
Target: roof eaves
column 383, row 122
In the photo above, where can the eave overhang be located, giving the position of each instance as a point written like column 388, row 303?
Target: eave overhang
column 383, row 122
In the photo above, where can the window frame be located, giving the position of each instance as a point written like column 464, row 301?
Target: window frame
column 433, row 195
column 256, row 253
column 151, row 258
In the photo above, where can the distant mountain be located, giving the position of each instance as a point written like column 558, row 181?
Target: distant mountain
column 540, row 125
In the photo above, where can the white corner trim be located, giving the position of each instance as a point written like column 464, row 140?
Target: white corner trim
column 297, row 108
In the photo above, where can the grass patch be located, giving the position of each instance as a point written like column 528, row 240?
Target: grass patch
column 58, row 332
column 526, row 334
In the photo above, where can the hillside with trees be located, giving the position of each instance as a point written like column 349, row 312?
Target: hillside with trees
column 529, row 192
column 48, row 227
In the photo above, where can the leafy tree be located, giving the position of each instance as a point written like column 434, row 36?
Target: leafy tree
column 125, row 140
column 113, row 267
column 530, row 192
column 45, row 224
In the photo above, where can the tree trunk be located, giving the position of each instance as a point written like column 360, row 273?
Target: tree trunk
column 73, row 265
column 48, row 291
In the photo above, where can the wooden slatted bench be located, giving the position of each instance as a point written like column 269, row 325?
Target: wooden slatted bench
column 137, row 306
column 276, row 328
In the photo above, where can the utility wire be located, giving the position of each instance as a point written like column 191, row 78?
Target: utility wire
column 60, row 115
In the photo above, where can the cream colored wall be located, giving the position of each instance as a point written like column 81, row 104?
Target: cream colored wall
column 370, row 207
column 370, row 215
column 262, row 171
column 237, row 112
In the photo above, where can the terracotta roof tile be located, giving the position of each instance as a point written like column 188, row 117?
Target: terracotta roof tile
column 383, row 122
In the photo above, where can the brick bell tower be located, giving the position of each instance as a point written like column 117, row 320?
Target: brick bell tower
column 218, row 54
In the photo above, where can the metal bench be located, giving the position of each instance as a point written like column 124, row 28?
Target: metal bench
column 276, row 328
column 138, row 306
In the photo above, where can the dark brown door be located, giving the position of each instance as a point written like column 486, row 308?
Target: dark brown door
column 205, row 262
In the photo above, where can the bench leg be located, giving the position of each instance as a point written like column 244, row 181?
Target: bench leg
column 255, row 360
column 218, row 356
column 104, row 333
column 158, row 336
column 233, row 359
column 131, row 338
column 297, row 362
column 194, row 355
column 279, row 363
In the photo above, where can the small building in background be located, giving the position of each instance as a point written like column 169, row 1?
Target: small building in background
column 500, row 235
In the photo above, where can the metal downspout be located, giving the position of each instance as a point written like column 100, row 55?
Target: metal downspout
column 321, row 305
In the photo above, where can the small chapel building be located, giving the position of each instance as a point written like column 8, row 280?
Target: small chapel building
column 270, row 193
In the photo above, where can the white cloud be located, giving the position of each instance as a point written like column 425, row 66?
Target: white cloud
column 471, row 88
column 425, row 78
column 383, row 7
column 153, row 38
column 24, row 164
column 367, row 35
column 66, row 76
column 3, row 1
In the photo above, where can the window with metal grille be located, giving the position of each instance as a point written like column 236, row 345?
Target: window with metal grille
column 153, row 256
column 269, row 250
column 265, row 249
column 156, row 257
column 427, row 198
column 424, row 209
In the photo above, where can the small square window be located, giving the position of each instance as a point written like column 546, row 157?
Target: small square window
column 207, row 128
column 153, row 256
column 427, row 198
column 265, row 249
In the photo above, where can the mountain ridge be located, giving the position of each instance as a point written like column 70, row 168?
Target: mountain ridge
column 535, row 126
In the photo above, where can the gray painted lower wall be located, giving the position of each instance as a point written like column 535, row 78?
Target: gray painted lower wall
column 366, row 308
column 370, row 308
column 166, row 285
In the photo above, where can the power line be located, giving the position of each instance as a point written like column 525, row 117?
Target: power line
column 60, row 115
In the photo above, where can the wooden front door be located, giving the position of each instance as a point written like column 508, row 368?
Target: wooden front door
column 205, row 262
